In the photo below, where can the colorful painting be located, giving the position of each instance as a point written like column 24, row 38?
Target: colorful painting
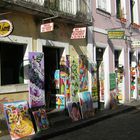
column 83, row 73
column 68, row 94
column 133, row 81
column 74, row 111
column 63, row 73
column 40, row 118
column 74, row 79
column 36, row 77
column 57, row 79
column 8, row 98
column 93, row 68
column 60, row 101
column 18, row 119
column 86, row 104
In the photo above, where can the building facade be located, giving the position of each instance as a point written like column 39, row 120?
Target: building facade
column 115, row 54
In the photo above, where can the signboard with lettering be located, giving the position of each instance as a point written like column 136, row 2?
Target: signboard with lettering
column 6, row 28
column 135, row 43
column 78, row 33
column 116, row 34
column 48, row 27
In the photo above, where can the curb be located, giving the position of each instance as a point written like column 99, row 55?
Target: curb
column 52, row 132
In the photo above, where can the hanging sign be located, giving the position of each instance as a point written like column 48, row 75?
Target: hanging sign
column 48, row 27
column 78, row 33
column 135, row 43
column 6, row 28
column 116, row 34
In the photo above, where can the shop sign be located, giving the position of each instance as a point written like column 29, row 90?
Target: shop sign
column 6, row 28
column 48, row 27
column 136, row 43
column 116, row 34
column 78, row 33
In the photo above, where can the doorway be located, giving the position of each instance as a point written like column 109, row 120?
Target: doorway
column 52, row 57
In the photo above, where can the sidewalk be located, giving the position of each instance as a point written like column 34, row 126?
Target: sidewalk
column 65, row 125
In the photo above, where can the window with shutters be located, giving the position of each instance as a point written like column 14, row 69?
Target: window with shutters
column 121, row 10
column 104, row 5
column 134, row 13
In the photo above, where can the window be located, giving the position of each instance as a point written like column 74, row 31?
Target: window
column 11, row 57
column 104, row 5
column 134, row 11
column 121, row 9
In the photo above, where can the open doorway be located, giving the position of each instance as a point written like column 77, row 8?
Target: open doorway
column 52, row 57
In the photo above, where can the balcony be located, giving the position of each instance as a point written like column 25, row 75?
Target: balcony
column 73, row 11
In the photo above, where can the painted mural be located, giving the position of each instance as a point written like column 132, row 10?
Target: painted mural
column 74, row 111
column 57, row 79
column 86, row 104
column 36, row 77
column 41, row 119
column 74, row 78
column 18, row 119
column 83, row 73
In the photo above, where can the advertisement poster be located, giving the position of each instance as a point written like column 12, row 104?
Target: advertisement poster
column 36, row 77
column 86, row 104
column 60, row 101
column 74, row 111
column 74, row 78
column 18, row 119
column 40, row 118
column 83, row 73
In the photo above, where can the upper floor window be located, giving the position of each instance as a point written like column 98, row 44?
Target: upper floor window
column 121, row 9
column 104, row 5
column 134, row 11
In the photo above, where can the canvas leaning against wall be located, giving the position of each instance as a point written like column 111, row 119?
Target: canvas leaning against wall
column 36, row 77
column 18, row 119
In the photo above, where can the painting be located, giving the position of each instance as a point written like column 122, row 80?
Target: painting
column 41, row 119
column 74, row 111
column 36, row 78
column 60, row 101
column 18, row 119
column 74, row 79
column 86, row 104
column 83, row 73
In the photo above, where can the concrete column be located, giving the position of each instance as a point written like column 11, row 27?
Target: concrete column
column 106, row 79
column 90, row 51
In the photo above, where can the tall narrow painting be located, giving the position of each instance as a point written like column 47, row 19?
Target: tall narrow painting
column 36, row 77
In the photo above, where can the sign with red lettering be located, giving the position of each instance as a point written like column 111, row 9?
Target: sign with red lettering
column 78, row 33
column 47, row 27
